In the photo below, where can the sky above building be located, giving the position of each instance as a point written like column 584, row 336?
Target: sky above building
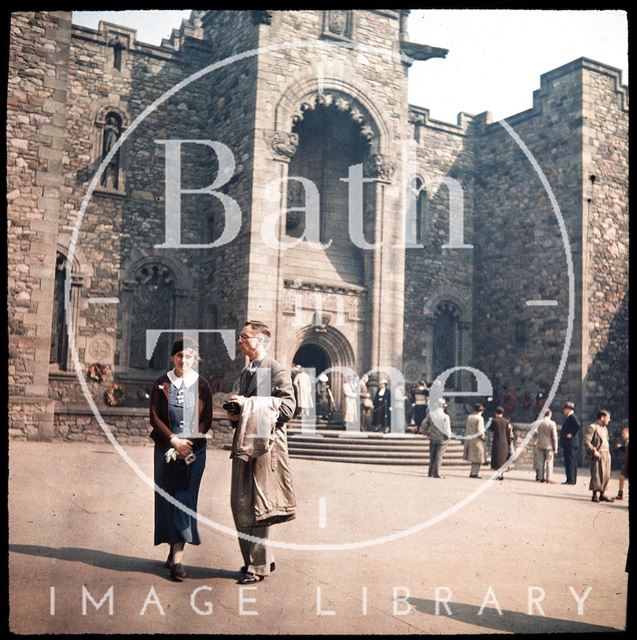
column 495, row 57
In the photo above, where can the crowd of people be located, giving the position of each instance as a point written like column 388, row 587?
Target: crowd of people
column 265, row 398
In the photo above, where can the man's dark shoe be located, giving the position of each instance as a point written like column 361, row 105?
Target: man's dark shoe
column 250, row 578
column 595, row 498
column 604, row 498
column 244, row 569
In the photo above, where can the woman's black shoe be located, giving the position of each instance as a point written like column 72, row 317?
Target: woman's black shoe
column 169, row 559
column 177, row 572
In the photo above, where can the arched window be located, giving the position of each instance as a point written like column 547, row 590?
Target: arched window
column 421, row 201
column 445, row 340
column 153, row 307
column 59, row 336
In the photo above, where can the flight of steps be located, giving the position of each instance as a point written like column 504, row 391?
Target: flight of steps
column 367, row 447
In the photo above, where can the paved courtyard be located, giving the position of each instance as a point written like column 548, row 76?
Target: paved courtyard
column 81, row 521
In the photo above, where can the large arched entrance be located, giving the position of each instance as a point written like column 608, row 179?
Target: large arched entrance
column 326, row 350
column 312, row 356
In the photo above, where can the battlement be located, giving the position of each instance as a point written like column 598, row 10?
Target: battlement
column 419, row 116
column 549, row 83
column 182, row 40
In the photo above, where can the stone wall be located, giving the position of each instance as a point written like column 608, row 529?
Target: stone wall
column 36, row 108
column 434, row 274
column 605, row 262
column 520, row 254
column 127, row 425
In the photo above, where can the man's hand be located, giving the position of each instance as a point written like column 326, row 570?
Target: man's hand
column 235, row 417
column 569, row 436
column 596, row 455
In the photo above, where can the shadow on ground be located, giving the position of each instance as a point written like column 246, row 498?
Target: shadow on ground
column 116, row 562
column 509, row 621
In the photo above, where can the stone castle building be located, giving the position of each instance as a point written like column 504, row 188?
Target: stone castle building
column 459, row 249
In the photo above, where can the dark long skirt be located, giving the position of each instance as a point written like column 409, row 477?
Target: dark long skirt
column 181, row 481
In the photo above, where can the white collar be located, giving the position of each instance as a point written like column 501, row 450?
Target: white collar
column 190, row 378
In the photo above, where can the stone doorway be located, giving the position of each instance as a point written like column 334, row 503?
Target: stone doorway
column 312, row 355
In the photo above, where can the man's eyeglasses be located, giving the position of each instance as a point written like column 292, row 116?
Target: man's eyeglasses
column 245, row 336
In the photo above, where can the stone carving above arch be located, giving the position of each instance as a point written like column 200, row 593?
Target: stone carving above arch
column 335, row 344
column 342, row 102
column 306, row 95
column 282, row 144
column 134, row 263
column 338, row 24
column 440, row 302
column 379, row 166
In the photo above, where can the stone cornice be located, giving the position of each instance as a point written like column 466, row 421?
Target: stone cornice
column 351, row 290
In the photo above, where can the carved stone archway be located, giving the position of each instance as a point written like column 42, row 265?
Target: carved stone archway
column 337, row 348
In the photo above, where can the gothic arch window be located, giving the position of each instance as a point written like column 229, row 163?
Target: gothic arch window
column 152, row 307
column 421, row 203
column 59, row 336
column 445, row 340
column 59, row 358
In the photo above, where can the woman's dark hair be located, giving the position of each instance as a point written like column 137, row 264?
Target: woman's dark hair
column 603, row 412
column 183, row 343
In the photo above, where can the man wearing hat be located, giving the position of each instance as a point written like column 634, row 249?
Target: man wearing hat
column 568, row 442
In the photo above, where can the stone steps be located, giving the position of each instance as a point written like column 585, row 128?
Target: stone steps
column 368, row 448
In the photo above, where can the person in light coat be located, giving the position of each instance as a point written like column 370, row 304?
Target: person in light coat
column 474, row 441
column 304, row 392
column 598, row 449
column 546, row 446
column 437, row 427
column 350, row 410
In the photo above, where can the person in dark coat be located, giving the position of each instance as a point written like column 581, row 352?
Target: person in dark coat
column 381, row 416
column 568, row 442
column 420, row 400
column 622, row 447
column 180, row 450
column 502, row 440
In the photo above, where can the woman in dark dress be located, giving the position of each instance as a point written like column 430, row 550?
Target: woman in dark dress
column 381, row 416
column 180, row 450
column 502, row 440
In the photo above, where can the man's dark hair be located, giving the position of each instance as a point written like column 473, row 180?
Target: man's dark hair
column 603, row 412
column 478, row 407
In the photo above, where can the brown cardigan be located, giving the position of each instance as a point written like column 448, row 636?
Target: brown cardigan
column 159, row 420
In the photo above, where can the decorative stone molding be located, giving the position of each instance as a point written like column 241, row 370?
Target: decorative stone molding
column 380, row 167
column 343, row 103
column 100, row 348
column 283, row 144
column 325, row 300
column 324, row 288
column 338, row 24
